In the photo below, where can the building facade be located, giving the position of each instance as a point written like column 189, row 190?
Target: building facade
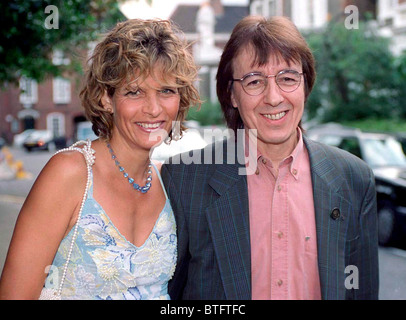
column 310, row 14
column 208, row 27
column 391, row 16
column 53, row 105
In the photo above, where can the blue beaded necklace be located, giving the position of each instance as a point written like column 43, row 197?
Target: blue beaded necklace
column 143, row 189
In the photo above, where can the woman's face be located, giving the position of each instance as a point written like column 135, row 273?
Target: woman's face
column 143, row 110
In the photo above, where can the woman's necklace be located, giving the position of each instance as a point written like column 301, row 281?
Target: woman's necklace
column 143, row 189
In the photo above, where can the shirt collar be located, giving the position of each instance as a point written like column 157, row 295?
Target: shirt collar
column 294, row 159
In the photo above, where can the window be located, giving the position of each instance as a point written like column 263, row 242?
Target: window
column 351, row 145
column 272, row 8
column 56, row 124
column 266, row 8
column 61, row 91
column 256, row 7
column 58, row 58
column 29, row 91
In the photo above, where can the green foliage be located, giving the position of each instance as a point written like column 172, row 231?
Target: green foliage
column 378, row 125
column 209, row 114
column 26, row 45
column 357, row 76
column 400, row 80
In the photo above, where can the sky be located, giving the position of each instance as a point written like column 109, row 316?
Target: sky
column 162, row 8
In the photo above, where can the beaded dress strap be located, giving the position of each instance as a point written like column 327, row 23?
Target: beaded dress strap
column 88, row 153
column 87, row 150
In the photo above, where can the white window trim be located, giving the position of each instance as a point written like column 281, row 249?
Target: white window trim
column 29, row 91
column 61, row 126
column 61, row 90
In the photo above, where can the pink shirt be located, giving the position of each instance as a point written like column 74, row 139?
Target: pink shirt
column 283, row 229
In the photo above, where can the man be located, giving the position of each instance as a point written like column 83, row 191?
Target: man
column 304, row 225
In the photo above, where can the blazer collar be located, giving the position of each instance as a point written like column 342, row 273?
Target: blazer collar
column 329, row 193
column 230, row 169
column 228, row 220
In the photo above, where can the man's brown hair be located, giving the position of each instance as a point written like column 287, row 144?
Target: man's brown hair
column 276, row 36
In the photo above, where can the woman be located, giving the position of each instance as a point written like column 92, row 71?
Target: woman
column 123, row 243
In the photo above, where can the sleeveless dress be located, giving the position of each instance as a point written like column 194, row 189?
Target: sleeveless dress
column 105, row 266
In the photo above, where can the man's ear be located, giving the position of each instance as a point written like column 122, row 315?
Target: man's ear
column 233, row 101
column 106, row 102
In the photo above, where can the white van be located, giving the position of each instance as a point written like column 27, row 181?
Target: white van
column 84, row 131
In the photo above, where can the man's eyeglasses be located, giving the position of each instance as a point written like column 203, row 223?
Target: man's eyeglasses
column 254, row 83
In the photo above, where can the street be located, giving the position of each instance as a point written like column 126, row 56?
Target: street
column 392, row 261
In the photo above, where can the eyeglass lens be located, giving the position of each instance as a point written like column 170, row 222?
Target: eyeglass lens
column 255, row 84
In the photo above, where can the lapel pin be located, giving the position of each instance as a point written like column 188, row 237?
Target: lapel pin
column 335, row 214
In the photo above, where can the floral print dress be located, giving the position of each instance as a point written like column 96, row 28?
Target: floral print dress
column 104, row 265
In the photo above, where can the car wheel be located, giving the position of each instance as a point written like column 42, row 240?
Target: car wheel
column 386, row 225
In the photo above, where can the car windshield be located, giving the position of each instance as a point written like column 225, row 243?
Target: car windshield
column 383, row 152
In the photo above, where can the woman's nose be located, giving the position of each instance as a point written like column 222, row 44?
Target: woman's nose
column 152, row 106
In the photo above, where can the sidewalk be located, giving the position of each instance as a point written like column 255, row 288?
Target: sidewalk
column 9, row 208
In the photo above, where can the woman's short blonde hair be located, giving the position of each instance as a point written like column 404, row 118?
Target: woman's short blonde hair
column 129, row 51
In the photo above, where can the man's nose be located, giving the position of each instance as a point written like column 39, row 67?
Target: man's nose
column 273, row 94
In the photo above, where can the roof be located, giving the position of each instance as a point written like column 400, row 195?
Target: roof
column 185, row 17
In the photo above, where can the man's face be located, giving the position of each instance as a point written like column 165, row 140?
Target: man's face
column 274, row 113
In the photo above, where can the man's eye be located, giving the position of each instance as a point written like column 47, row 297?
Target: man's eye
column 254, row 82
column 287, row 79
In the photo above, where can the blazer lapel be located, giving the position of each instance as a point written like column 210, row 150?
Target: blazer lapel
column 331, row 230
column 228, row 220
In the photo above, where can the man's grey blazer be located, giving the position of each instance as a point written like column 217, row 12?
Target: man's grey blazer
column 210, row 202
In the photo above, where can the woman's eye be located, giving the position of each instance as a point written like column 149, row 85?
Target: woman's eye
column 133, row 93
column 169, row 91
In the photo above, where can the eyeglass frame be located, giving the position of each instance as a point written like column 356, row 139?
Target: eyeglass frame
column 266, row 80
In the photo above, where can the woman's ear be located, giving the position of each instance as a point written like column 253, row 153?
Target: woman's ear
column 106, row 102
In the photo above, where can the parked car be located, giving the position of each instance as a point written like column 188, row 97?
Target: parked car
column 401, row 136
column 43, row 140
column 385, row 156
column 2, row 143
column 84, row 131
column 19, row 138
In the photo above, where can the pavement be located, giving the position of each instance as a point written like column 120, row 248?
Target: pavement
column 9, row 208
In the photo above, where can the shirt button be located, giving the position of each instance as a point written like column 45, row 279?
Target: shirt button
column 280, row 234
column 294, row 172
column 279, row 187
column 263, row 160
column 280, row 282
column 257, row 172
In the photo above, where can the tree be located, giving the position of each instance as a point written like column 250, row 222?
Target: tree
column 356, row 75
column 33, row 29
column 400, row 65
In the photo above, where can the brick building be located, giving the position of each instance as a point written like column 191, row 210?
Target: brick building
column 52, row 104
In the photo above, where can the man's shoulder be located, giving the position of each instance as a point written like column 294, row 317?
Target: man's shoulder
column 341, row 158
